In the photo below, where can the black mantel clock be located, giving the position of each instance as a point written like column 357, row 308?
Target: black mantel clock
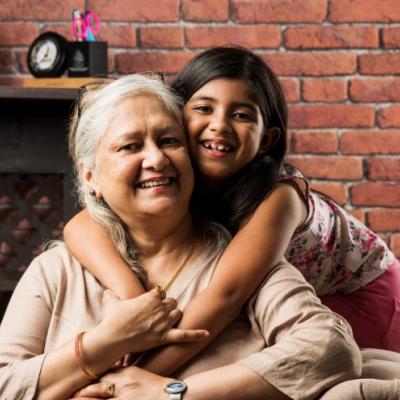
column 47, row 55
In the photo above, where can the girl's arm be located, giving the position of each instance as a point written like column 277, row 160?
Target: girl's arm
column 248, row 259
column 255, row 249
column 94, row 249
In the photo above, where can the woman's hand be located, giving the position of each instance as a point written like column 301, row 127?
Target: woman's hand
column 128, row 383
column 138, row 324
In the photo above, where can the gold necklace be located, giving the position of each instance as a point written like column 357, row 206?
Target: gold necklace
column 179, row 270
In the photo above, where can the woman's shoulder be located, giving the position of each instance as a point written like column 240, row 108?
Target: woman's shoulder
column 55, row 255
column 53, row 265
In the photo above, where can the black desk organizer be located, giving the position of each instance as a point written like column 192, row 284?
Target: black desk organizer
column 87, row 59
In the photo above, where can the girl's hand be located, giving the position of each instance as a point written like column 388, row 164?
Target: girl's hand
column 129, row 383
column 138, row 324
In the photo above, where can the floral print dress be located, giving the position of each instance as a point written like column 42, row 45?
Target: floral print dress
column 335, row 252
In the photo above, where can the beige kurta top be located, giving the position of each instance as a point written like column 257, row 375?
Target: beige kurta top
column 285, row 335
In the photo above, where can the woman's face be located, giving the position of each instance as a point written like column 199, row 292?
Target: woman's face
column 225, row 128
column 143, row 165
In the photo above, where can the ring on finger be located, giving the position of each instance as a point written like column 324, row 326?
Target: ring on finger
column 110, row 390
column 161, row 292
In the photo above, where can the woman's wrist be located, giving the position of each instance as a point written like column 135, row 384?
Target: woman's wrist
column 175, row 389
column 99, row 353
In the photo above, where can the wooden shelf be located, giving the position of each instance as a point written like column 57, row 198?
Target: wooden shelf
column 45, row 88
column 15, row 92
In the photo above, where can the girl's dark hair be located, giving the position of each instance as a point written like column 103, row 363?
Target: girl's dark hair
column 242, row 193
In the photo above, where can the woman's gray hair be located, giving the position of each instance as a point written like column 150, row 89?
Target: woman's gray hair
column 89, row 123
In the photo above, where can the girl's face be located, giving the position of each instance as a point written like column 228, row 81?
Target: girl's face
column 225, row 128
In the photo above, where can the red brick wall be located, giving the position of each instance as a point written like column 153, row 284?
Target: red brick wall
column 339, row 62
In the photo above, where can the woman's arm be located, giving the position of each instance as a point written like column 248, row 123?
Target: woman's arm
column 231, row 382
column 37, row 306
column 302, row 336
column 99, row 255
column 250, row 256
column 25, row 371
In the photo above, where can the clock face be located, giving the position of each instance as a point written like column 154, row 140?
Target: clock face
column 47, row 55
column 44, row 55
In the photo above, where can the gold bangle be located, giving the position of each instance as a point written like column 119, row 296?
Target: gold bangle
column 78, row 356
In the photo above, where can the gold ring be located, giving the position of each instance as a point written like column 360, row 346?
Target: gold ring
column 110, row 389
column 161, row 292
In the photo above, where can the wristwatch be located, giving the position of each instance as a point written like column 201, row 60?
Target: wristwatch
column 175, row 390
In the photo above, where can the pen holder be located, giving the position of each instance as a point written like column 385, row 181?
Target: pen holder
column 87, row 59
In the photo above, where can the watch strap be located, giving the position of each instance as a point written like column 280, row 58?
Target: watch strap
column 175, row 396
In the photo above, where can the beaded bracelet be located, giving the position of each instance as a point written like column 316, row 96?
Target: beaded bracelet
column 78, row 357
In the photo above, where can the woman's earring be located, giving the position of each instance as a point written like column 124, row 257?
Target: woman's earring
column 92, row 192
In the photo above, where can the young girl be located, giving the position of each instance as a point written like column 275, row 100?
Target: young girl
column 236, row 119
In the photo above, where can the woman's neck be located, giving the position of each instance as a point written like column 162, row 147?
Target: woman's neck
column 162, row 246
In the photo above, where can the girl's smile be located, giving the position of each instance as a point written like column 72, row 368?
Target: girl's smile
column 225, row 128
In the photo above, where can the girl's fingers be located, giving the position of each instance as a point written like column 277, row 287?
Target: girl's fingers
column 127, row 360
column 185, row 335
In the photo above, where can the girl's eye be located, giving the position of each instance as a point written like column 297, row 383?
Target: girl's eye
column 243, row 116
column 169, row 141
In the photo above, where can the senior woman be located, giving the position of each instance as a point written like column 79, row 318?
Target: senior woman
column 135, row 177
column 56, row 334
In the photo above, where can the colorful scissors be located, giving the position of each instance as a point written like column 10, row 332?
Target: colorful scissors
column 85, row 27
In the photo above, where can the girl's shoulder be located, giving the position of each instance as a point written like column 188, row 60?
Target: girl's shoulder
column 289, row 171
column 290, row 174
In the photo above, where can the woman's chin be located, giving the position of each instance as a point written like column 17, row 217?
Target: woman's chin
column 163, row 208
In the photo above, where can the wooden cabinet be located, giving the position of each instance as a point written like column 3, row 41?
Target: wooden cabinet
column 36, row 179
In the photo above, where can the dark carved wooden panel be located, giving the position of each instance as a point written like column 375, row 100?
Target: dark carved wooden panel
column 31, row 211
column 35, row 176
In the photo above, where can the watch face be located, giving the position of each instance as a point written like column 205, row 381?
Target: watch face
column 47, row 55
column 175, row 387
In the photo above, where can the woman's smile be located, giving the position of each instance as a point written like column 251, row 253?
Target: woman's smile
column 157, row 183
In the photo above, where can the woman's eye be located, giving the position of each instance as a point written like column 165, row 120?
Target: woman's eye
column 202, row 109
column 169, row 141
column 130, row 147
